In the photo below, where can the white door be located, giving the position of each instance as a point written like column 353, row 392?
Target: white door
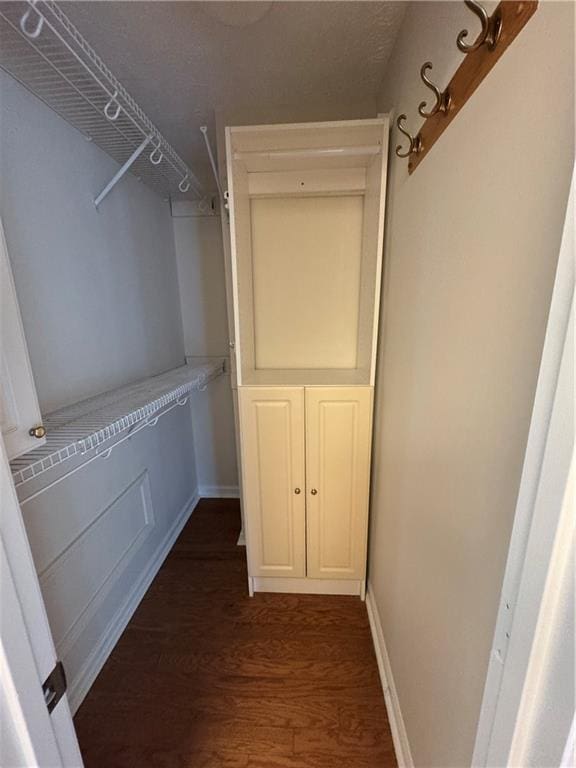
column 19, row 409
column 273, row 466
column 338, row 436
column 30, row 737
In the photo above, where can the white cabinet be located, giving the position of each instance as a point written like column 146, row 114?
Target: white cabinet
column 338, row 443
column 272, row 429
column 306, row 460
column 19, row 409
column 306, row 237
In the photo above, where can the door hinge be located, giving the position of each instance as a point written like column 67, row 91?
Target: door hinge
column 55, row 686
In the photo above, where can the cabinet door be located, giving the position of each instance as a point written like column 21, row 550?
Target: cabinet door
column 19, row 409
column 273, row 467
column 338, row 443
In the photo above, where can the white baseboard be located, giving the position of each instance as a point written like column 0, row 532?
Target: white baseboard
column 218, row 492
column 397, row 726
column 80, row 685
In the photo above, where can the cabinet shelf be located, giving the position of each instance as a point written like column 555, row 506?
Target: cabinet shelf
column 307, row 377
column 83, row 429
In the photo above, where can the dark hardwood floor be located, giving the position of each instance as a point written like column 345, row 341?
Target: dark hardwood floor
column 206, row 677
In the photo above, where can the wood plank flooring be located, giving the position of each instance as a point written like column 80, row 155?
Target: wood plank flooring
column 206, row 677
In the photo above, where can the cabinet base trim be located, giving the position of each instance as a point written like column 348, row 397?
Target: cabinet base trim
column 309, row 586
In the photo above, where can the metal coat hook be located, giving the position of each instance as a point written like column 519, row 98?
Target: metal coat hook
column 184, row 185
column 112, row 115
column 415, row 141
column 443, row 99
column 156, row 155
column 34, row 33
column 490, row 33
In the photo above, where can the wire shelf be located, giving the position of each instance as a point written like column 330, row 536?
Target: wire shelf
column 87, row 429
column 43, row 50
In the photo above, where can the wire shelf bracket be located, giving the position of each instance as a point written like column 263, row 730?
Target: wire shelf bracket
column 124, row 169
column 223, row 198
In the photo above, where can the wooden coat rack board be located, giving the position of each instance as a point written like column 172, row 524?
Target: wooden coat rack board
column 498, row 32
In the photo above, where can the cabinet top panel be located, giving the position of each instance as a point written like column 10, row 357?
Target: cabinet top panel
column 358, row 135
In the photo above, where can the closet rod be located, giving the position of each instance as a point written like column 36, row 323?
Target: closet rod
column 278, row 154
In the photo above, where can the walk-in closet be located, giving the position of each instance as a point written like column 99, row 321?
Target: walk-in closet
column 286, row 301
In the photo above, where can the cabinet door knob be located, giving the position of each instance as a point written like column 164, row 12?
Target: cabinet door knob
column 313, row 491
column 39, row 431
column 296, row 491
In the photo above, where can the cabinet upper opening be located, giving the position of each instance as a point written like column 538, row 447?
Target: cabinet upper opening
column 307, row 209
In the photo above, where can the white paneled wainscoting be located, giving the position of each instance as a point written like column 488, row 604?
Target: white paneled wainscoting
column 99, row 537
column 101, row 523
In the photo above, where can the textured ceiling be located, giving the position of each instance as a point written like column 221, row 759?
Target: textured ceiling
column 185, row 61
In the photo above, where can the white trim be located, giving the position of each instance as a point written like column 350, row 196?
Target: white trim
column 241, row 539
column 233, row 256
column 20, row 408
column 218, row 492
column 531, row 718
column 307, row 586
column 569, row 754
column 526, row 518
column 81, row 684
column 27, row 653
column 380, row 257
column 25, row 720
column 397, row 726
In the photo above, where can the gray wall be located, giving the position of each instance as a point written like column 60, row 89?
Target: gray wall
column 97, row 289
column 200, row 257
column 472, row 242
column 98, row 292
